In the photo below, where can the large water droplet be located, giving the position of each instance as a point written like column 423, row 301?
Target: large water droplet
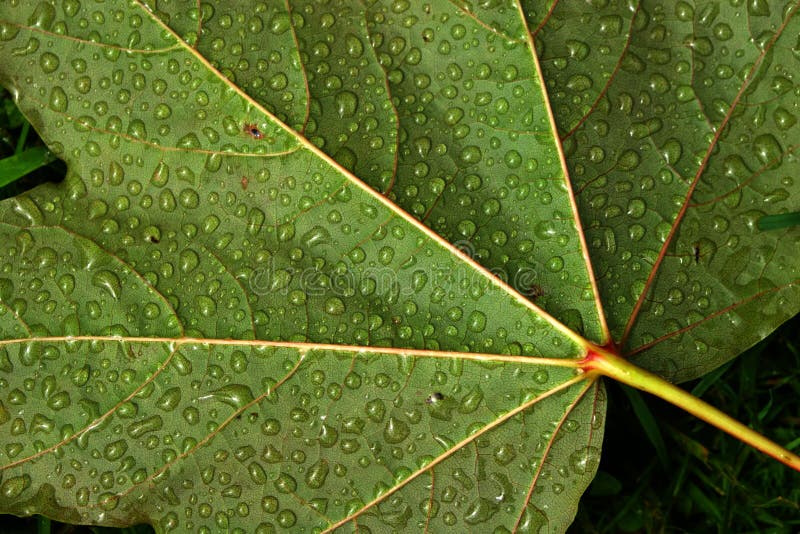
column 108, row 281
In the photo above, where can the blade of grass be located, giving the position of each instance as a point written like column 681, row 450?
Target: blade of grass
column 778, row 221
column 43, row 525
column 702, row 501
column 649, row 424
column 15, row 167
column 710, row 379
column 23, row 136
column 632, row 500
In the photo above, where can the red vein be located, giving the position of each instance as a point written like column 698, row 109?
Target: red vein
column 239, row 284
column 395, row 112
column 474, row 17
column 545, row 20
column 707, row 318
column 767, row 166
column 430, row 502
column 703, row 165
column 448, row 453
column 611, row 78
column 302, row 69
column 549, row 446
column 199, row 7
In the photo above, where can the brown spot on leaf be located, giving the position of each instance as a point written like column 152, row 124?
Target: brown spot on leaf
column 252, row 130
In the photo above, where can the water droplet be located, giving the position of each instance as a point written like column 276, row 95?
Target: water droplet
column 170, row 399
column 163, row 111
column 758, row 8
column 317, row 473
column 14, row 486
column 43, row 16
column 48, row 62
column 58, row 99
column 318, row 235
column 346, row 104
column 783, row 118
column 768, row 151
column 115, row 450
column 375, row 410
column 59, row 401
column 480, row 511
column 628, row 160
column 585, row 460
column 144, row 426
column 477, row 321
column 334, row 306
column 280, row 23
column 235, row 395
column 471, row 401
column 395, row 431
column 108, row 281
column 286, row 232
column 471, row 155
column 285, row 483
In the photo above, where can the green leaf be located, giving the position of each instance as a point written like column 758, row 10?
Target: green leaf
column 324, row 266
column 212, row 325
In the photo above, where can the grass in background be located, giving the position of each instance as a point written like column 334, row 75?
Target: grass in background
column 24, row 160
column 709, row 481
column 662, row 470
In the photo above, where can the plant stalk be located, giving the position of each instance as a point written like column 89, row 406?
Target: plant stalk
column 608, row 364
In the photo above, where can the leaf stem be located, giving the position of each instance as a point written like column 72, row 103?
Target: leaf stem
column 608, row 364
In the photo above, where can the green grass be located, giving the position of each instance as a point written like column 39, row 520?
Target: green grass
column 710, row 482
column 662, row 469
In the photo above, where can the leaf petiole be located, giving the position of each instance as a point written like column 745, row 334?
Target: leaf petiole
column 607, row 364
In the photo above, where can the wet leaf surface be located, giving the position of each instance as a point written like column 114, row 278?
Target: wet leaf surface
column 325, row 267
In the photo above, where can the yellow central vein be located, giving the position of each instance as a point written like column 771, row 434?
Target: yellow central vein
column 174, row 343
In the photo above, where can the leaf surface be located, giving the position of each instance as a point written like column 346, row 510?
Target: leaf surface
column 320, row 267
column 680, row 126
column 213, row 325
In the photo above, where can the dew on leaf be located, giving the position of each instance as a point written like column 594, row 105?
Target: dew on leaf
column 346, row 104
column 107, row 281
column 236, row 396
column 58, row 99
column 480, row 511
column 767, row 149
column 144, row 426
